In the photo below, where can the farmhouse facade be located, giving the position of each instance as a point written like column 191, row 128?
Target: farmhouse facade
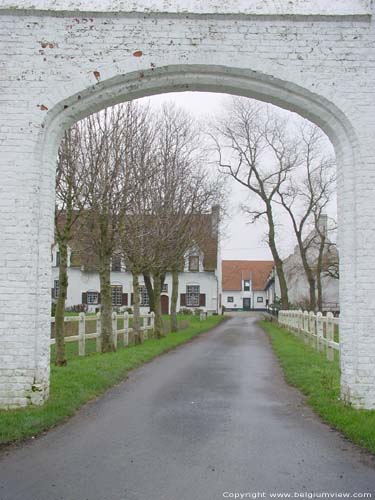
column 199, row 276
column 244, row 284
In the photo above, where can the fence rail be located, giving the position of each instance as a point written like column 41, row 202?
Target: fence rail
column 148, row 324
column 317, row 330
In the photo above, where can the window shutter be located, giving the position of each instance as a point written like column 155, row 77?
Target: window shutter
column 84, row 298
column 132, row 299
column 202, row 300
column 124, row 299
column 52, row 293
column 183, row 299
column 99, row 298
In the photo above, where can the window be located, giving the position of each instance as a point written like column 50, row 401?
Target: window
column 57, row 259
column 144, row 299
column 116, row 263
column 193, row 263
column 259, row 299
column 116, row 291
column 192, row 295
column 246, row 285
column 56, row 287
column 92, row 297
column 230, row 299
column 164, row 288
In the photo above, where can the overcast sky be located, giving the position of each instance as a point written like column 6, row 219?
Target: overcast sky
column 240, row 240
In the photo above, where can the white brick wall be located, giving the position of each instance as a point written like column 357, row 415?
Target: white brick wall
column 55, row 69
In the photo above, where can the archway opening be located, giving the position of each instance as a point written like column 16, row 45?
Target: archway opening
column 205, row 79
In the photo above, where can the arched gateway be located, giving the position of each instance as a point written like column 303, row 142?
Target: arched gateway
column 60, row 63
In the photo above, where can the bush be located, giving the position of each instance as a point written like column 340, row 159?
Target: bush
column 78, row 308
column 186, row 311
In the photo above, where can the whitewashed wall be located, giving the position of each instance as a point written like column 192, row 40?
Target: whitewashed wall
column 314, row 58
column 238, row 297
column 80, row 282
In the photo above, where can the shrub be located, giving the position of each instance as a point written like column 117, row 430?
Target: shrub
column 186, row 311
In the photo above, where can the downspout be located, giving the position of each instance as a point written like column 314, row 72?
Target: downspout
column 217, row 293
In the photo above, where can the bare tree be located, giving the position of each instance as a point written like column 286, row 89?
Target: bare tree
column 70, row 201
column 104, row 145
column 184, row 194
column 136, row 228
column 242, row 141
column 305, row 201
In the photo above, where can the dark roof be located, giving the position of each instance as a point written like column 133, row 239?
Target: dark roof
column 83, row 251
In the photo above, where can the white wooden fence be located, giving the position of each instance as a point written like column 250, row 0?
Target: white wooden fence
column 317, row 330
column 148, row 324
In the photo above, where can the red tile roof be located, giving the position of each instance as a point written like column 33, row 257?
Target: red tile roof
column 234, row 271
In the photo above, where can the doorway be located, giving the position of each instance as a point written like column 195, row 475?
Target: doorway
column 246, row 304
column 164, row 304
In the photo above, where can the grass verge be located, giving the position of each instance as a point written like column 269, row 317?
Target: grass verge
column 86, row 378
column 319, row 380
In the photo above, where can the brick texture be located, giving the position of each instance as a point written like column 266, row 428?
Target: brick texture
column 57, row 67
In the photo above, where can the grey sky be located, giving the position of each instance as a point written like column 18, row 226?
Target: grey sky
column 241, row 240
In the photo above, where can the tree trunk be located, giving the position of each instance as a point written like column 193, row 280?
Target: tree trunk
column 278, row 262
column 319, row 292
column 174, row 298
column 309, row 273
column 150, row 291
column 158, row 318
column 319, row 269
column 136, row 310
column 60, row 359
column 312, row 294
column 106, row 302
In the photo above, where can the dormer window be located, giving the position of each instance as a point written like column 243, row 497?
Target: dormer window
column 246, row 285
column 116, row 263
column 193, row 263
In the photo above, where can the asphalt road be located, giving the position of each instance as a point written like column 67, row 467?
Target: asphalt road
column 212, row 417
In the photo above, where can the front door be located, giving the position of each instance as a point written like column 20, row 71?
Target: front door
column 164, row 304
column 246, row 304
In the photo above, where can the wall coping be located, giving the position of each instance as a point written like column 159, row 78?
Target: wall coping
column 196, row 7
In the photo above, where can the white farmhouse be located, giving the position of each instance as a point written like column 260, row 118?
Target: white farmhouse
column 245, row 284
column 199, row 280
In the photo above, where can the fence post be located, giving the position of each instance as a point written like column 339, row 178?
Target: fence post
column 126, row 329
column 305, row 327
column 114, row 329
column 312, row 328
column 300, row 322
column 330, row 337
column 81, row 334
column 145, row 325
column 98, row 333
column 153, row 323
column 319, row 331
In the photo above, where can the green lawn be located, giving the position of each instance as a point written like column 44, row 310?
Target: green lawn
column 319, row 379
column 87, row 377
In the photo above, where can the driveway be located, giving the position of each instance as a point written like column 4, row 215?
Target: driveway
column 206, row 420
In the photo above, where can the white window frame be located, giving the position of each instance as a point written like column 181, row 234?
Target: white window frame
column 193, row 295
column 56, row 288
column 244, row 285
column 197, row 266
column 144, row 299
column 90, row 298
column 116, row 294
